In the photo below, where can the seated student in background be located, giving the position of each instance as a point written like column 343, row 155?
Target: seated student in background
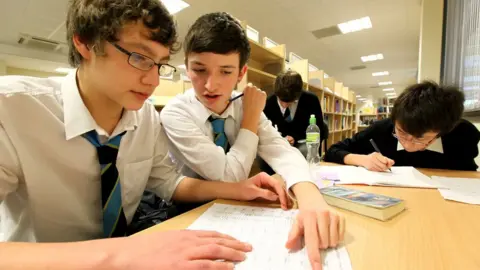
column 219, row 140
column 77, row 153
column 290, row 108
column 425, row 130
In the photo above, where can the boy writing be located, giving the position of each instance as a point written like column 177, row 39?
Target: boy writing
column 425, row 130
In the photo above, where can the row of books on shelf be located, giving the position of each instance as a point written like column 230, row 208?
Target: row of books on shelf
column 339, row 125
column 337, row 108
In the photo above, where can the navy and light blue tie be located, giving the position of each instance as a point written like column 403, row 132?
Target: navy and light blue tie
column 114, row 221
column 287, row 115
column 219, row 136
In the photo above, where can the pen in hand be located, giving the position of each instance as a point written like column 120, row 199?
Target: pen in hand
column 234, row 98
column 377, row 150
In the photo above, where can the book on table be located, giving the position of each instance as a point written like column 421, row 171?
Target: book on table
column 368, row 204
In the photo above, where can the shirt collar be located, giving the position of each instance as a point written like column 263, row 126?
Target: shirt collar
column 436, row 146
column 291, row 105
column 204, row 113
column 77, row 118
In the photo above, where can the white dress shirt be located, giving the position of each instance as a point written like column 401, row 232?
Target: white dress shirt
column 292, row 107
column 190, row 134
column 50, row 175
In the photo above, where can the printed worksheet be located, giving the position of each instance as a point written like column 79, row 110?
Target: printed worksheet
column 266, row 229
column 459, row 189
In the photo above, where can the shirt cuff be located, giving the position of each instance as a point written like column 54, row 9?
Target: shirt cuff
column 246, row 143
column 169, row 196
column 299, row 176
column 245, row 136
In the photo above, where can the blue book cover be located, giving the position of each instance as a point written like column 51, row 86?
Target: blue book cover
column 357, row 196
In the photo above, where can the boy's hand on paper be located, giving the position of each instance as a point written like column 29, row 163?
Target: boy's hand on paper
column 182, row 250
column 263, row 186
column 290, row 139
column 317, row 223
column 377, row 162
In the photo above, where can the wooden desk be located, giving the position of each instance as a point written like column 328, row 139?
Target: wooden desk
column 431, row 233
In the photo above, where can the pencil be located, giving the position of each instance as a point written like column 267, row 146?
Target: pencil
column 234, row 98
column 377, row 150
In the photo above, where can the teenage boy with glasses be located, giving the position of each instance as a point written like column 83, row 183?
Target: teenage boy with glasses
column 77, row 153
column 425, row 130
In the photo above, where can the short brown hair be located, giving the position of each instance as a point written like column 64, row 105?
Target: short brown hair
column 217, row 33
column 427, row 106
column 288, row 86
column 97, row 21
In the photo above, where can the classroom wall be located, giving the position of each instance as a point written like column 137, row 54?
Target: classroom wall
column 430, row 47
column 3, row 68
column 30, row 72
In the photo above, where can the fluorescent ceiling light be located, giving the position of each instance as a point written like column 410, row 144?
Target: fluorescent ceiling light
column 391, row 94
column 175, row 6
column 382, row 73
column 64, row 70
column 388, row 89
column 182, row 66
column 359, row 96
column 373, row 57
column 384, row 83
column 362, row 99
column 355, row 25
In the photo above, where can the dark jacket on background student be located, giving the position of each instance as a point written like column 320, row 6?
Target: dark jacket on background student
column 307, row 105
column 456, row 150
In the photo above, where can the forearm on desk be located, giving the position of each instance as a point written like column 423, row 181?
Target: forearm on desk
column 308, row 194
column 196, row 190
column 353, row 159
column 52, row 256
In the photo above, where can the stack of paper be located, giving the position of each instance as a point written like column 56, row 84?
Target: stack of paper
column 459, row 189
column 266, row 229
column 400, row 176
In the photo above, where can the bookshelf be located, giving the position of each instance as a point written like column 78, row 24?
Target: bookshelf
column 166, row 90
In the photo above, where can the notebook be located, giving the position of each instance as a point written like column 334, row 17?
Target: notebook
column 399, row 177
column 266, row 229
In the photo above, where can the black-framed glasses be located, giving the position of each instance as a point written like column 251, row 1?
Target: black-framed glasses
column 402, row 137
column 143, row 62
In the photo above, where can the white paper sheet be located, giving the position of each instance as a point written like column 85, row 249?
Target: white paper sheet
column 400, row 176
column 266, row 229
column 464, row 190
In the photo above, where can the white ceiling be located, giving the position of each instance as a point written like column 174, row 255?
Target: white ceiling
column 395, row 33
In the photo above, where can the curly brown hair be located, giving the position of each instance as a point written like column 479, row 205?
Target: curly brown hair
column 97, row 21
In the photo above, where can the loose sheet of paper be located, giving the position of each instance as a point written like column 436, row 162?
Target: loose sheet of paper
column 324, row 176
column 459, row 189
column 400, row 176
column 266, row 229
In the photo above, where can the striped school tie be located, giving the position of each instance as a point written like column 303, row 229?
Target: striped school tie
column 219, row 136
column 287, row 115
column 114, row 221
